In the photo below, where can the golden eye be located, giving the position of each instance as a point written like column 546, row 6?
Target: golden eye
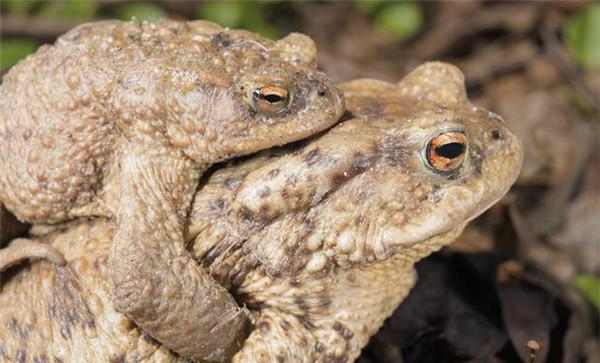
column 446, row 152
column 270, row 99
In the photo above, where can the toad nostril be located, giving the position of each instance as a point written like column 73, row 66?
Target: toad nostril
column 496, row 134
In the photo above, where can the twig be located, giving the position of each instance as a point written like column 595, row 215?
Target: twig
column 36, row 27
column 449, row 27
column 490, row 63
column 559, row 56
column 533, row 348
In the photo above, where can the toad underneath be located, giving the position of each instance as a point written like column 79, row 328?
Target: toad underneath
column 317, row 240
column 120, row 119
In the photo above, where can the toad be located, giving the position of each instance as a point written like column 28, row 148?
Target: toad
column 120, row 119
column 318, row 239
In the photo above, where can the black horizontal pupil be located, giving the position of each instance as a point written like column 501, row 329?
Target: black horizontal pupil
column 450, row 150
column 272, row 98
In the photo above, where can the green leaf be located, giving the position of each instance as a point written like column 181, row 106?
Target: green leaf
column 590, row 288
column 140, row 11
column 399, row 19
column 13, row 50
column 582, row 35
column 71, row 10
column 225, row 13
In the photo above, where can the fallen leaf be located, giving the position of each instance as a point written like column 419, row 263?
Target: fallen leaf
column 528, row 314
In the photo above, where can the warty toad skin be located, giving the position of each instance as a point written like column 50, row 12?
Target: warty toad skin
column 316, row 240
column 120, row 119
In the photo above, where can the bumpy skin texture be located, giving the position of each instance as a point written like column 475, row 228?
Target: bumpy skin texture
column 317, row 240
column 120, row 119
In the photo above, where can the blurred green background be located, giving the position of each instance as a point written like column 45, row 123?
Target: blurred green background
column 40, row 21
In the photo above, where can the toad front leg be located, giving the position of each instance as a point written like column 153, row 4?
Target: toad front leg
column 154, row 280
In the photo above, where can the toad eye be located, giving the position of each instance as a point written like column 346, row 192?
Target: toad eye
column 270, row 99
column 446, row 152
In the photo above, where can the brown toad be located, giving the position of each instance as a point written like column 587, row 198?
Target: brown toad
column 318, row 240
column 120, row 119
